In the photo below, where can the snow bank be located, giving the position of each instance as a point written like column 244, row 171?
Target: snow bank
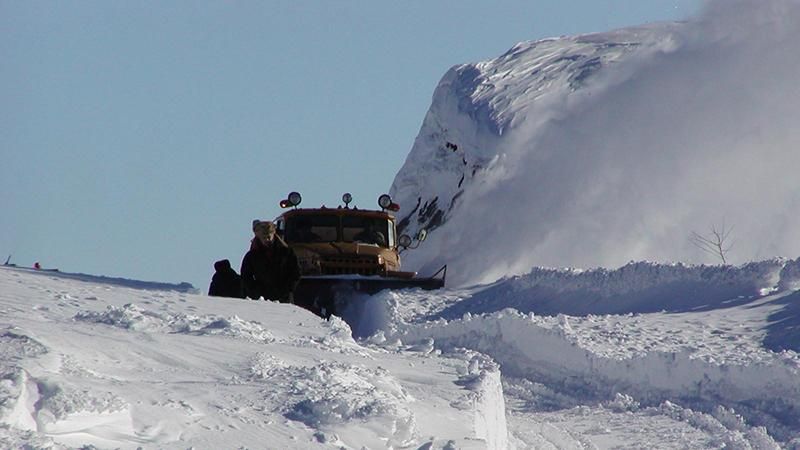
column 764, row 386
column 483, row 377
column 86, row 364
column 697, row 336
column 789, row 278
column 637, row 287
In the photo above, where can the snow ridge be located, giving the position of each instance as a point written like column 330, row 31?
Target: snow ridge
column 707, row 354
column 765, row 384
column 637, row 287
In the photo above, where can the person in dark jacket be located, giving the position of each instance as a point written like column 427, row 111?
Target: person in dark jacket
column 270, row 269
column 225, row 282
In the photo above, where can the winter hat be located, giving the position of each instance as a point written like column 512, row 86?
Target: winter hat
column 221, row 265
column 265, row 224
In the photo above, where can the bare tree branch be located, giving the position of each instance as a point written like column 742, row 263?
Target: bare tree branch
column 717, row 243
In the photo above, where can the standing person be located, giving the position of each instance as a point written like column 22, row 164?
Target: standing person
column 225, row 282
column 270, row 269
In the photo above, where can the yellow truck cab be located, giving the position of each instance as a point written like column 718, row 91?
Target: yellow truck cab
column 346, row 249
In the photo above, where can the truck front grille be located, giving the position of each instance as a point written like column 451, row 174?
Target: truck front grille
column 341, row 265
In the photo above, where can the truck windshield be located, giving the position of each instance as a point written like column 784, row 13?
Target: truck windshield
column 367, row 230
column 328, row 228
column 321, row 228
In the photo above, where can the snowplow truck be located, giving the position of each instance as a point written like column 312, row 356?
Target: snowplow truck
column 344, row 251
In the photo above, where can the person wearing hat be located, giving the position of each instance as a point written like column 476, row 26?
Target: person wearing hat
column 270, row 269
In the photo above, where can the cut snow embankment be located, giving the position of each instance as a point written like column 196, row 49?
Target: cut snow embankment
column 638, row 287
column 706, row 351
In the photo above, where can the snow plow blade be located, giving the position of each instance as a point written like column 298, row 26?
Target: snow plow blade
column 325, row 294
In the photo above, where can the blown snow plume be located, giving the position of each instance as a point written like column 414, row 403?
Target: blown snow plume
column 606, row 148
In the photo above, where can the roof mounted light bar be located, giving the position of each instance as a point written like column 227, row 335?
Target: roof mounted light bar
column 384, row 201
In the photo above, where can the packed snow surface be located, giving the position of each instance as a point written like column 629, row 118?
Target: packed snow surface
column 646, row 356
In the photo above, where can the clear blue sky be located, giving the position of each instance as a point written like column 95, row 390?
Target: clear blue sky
column 139, row 139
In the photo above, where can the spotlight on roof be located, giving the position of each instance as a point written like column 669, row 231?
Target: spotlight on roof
column 293, row 199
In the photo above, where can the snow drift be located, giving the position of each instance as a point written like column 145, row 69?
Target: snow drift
column 89, row 364
column 600, row 149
